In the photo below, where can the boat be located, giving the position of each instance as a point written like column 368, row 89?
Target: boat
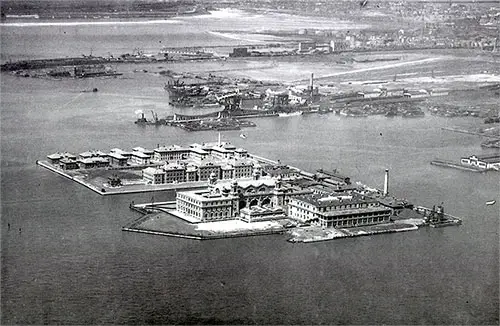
column 289, row 114
column 243, row 136
column 491, row 202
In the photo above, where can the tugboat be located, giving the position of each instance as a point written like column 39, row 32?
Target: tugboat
column 437, row 218
column 142, row 120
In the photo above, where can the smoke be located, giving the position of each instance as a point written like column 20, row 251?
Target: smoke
column 138, row 112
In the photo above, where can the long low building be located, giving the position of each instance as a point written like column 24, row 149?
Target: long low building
column 343, row 210
column 486, row 162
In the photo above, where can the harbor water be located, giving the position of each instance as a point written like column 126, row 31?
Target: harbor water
column 65, row 260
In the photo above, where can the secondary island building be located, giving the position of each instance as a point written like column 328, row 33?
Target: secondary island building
column 484, row 162
column 338, row 210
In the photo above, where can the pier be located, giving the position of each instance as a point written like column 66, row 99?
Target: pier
column 463, row 131
column 458, row 166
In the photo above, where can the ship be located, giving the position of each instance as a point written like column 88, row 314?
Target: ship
column 156, row 122
column 491, row 202
column 437, row 218
column 289, row 114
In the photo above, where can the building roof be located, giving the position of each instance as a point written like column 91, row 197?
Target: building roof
column 241, row 163
column 120, row 151
column 257, row 210
column 142, row 149
column 333, row 174
column 318, row 200
column 208, row 165
column 172, row 167
column 86, row 154
column 117, row 156
column 141, row 155
column 55, row 156
column 69, row 155
column 66, row 160
column 174, row 148
column 221, row 149
column 247, row 182
column 86, row 161
column 152, row 170
column 206, row 195
column 279, row 170
column 198, row 150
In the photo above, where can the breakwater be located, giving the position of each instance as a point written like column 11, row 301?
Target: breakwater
column 326, row 235
column 454, row 165
column 471, row 132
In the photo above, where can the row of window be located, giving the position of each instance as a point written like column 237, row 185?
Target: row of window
column 354, row 216
column 352, row 222
column 217, row 215
column 218, row 203
column 191, row 212
column 335, row 207
column 188, row 199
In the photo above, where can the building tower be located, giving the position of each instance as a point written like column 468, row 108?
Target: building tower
column 386, row 182
column 311, row 83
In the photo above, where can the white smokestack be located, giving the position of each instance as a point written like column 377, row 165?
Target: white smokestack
column 386, row 182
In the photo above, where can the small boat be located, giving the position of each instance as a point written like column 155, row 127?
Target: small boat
column 243, row 136
column 491, row 202
column 291, row 114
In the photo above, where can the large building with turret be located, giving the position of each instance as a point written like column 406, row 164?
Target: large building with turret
column 256, row 197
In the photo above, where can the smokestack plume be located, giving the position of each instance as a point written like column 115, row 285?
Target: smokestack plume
column 386, row 182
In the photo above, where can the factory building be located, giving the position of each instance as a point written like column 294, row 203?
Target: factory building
column 240, row 52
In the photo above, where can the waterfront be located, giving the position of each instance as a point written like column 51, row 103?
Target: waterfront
column 72, row 264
